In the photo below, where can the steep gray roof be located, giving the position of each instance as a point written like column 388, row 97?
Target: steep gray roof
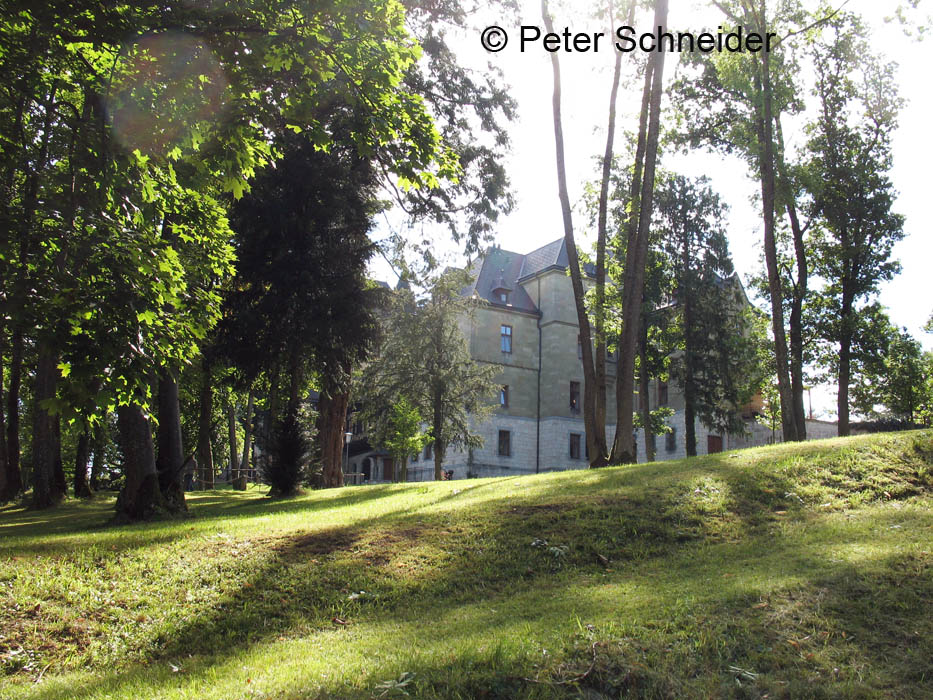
column 499, row 268
column 554, row 253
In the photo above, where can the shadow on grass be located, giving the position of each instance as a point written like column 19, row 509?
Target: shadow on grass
column 306, row 580
column 849, row 630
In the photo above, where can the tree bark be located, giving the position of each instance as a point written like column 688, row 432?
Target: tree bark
column 247, row 437
column 45, row 490
column 631, row 232
column 842, row 396
column 332, row 419
column 845, row 359
column 205, row 414
column 170, row 459
column 624, row 450
column 765, row 128
column 14, row 480
column 645, row 392
column 3, row 458
column 97, row 462
column 690, row 435
column 140, row 498
column 796, row 325
column 61, row 484
column 601, row 237
column 82, row 454
column 799, row 290
column 595, row 433
column 231, row 439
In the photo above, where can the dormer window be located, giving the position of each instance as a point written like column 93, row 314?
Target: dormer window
column 500, row 289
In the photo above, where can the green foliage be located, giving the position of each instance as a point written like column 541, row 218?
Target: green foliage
column 399, row 431
column 719, row 366
column 850, row 155
column 125, row 127
column 425, row 359
column 659, row 416
column 894, row 377
column 287, row 468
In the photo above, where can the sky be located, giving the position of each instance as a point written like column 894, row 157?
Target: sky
column 586, row 78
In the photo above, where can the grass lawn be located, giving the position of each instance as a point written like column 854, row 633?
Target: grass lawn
column 789, row 571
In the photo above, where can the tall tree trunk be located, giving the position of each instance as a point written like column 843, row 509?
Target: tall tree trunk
column 3, row 459
column 796, row 326
column 205, row 414
column 690, row 435
column 332, row 419
column 601, row 237
column 231, row 438
column 845, row 359
column 799, row 291
column 595, row 433
column 645, row 392
column 631, row 232
column 765, row 127
column 624, row 450
column 82, row 454
column 14, row 480
column 45, row 451
column 141, row 497
column 247, row 436
column 97, row 463
column 61, row 484
column 842, row 397
column 170, row 459
column 437, row 429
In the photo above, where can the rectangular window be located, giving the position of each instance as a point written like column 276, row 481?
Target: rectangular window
column 574, row 397
column 414, row 457
column 574, row 445
column 670, row 440
column 504, row 396
column 505, row 443
column 662, row 393
column 506, row 339
column 428, row 454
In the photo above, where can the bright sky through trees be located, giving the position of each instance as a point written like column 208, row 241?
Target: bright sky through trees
column 536, row 217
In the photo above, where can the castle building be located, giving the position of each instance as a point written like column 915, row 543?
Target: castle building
column 526, row 325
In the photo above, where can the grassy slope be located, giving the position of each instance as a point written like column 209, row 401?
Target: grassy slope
column 802, row 570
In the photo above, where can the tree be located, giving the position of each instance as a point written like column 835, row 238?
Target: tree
column 853, row 196
column 717, row 366
column 735, row 103
column 124, row 129
column 636, row 248
column 301, row 299
column 399, row 431
column 424, row 359
column 892, row 379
